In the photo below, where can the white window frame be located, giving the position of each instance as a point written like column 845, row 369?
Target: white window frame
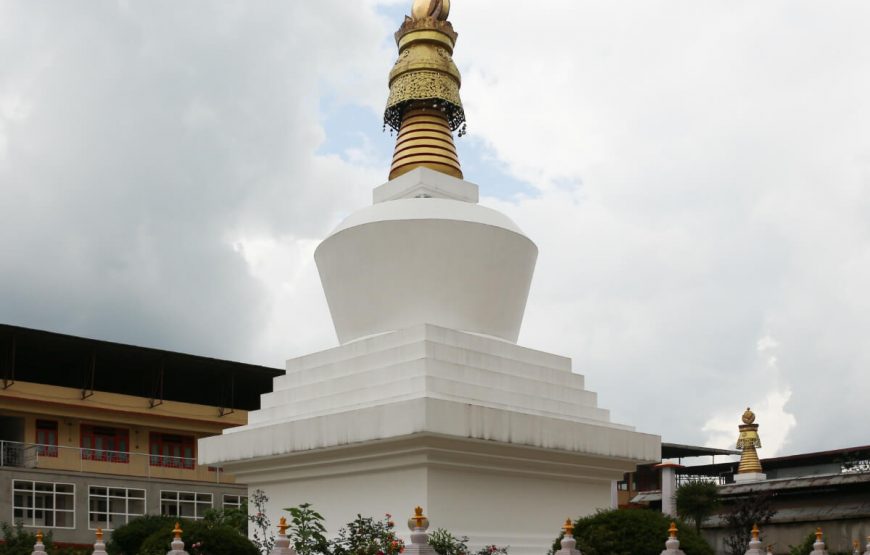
column 29, row 522
column 240, row 504
column 107, row 497
column 197, row 514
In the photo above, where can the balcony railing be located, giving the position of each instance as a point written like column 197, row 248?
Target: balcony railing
column 61, row 457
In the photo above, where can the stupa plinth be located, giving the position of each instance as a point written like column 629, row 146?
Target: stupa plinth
column 428, row 400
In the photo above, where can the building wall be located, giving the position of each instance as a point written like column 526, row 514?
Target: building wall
column 72, row 480
column 82, row 530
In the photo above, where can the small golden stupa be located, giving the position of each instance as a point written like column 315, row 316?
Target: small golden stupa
column 424, row 104
column 748, row 442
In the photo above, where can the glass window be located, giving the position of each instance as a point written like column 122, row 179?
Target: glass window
column 185, row 504
column 110, row 507
column 171, row 450
column 235, row 501
column 43, row 504
column 101, row 443
column 46, row 438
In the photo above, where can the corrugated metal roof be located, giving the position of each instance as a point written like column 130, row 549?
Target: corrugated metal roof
column 804, row 482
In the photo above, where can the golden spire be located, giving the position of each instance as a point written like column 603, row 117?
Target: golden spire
column 568, row 528
column 818, row 534
column 424, row 104
column 755, row 532
column 39, row 536
column 672, row 531
column 749, row 441
column 177, row 531
column 99, row 534
column 282, row 526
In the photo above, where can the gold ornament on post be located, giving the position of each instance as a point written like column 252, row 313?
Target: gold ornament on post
column 418, row 521
column 568, row 528
column 749, row 441
column 424, row 104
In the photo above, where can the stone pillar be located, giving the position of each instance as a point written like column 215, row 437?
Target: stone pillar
column 177, row 545
column 99, row 546
column 669, row 488
column 754, row 544
column 819, row 546
column 38, row 547
column 672, row 546
column 569, row 544
column 282, row 542
column 614, row 494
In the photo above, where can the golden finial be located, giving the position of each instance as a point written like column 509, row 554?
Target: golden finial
column 755, row 532
column 424, row 106
column 282, row 526
column 818, row 534
column 39, row 536
column 418, row 516
column 673, row 530
column 439, row 9
column 177, row 530
column 568, row 527
column 99, row 534
column 748, row 416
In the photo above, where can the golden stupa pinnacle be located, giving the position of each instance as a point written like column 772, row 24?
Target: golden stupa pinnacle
column 424, row 104
column 749, row 441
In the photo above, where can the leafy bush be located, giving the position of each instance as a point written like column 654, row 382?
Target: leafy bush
column 631, row 532
column 128, row 539
column 446, row 543
column 367, row 536
column 200, row 538
column 17, row 541
column 307, row 531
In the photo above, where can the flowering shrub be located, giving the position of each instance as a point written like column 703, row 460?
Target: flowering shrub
column 367, row 536
column 446, row 543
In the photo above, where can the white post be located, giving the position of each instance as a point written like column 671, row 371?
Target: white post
column 177, row 545
column 282, row 542
column 99, row 546
column 672, row 546
column 754, row 547
column 568, row 543
column 614, row 495
column 819, row 545
column 38, row 547
column 669, row 489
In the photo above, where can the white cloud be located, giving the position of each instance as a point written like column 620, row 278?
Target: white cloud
column 701, row 174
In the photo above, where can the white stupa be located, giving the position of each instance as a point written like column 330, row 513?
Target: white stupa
column 428, row 400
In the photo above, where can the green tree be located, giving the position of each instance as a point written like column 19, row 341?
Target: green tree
column 631, row 532
column 753, row 508
column 128, row 539
column 200, row 538
column 696, row 501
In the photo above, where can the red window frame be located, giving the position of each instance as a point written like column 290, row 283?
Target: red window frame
column 172, row 450
column 46, row 438
column 103, row 443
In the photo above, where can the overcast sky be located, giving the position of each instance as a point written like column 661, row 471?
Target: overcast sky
column 696, row 175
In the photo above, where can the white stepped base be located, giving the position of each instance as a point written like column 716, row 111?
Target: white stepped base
column 495, row 441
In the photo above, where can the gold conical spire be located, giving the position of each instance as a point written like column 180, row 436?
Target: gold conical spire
column 749, row 441
column 424, row 104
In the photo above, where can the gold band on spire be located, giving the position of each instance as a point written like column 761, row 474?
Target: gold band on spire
column 424, row 104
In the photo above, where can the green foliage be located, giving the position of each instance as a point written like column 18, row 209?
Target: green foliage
column 696, row 501
column 128, row 539
column 232, row 518
column 18, row 541
column 631, row 532
column 200, row 538
column 367, row 536
column 307, row 531
column 804, row 547
column 446, row 543
column 754, row 508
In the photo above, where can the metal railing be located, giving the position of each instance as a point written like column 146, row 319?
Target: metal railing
column 32, row 455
